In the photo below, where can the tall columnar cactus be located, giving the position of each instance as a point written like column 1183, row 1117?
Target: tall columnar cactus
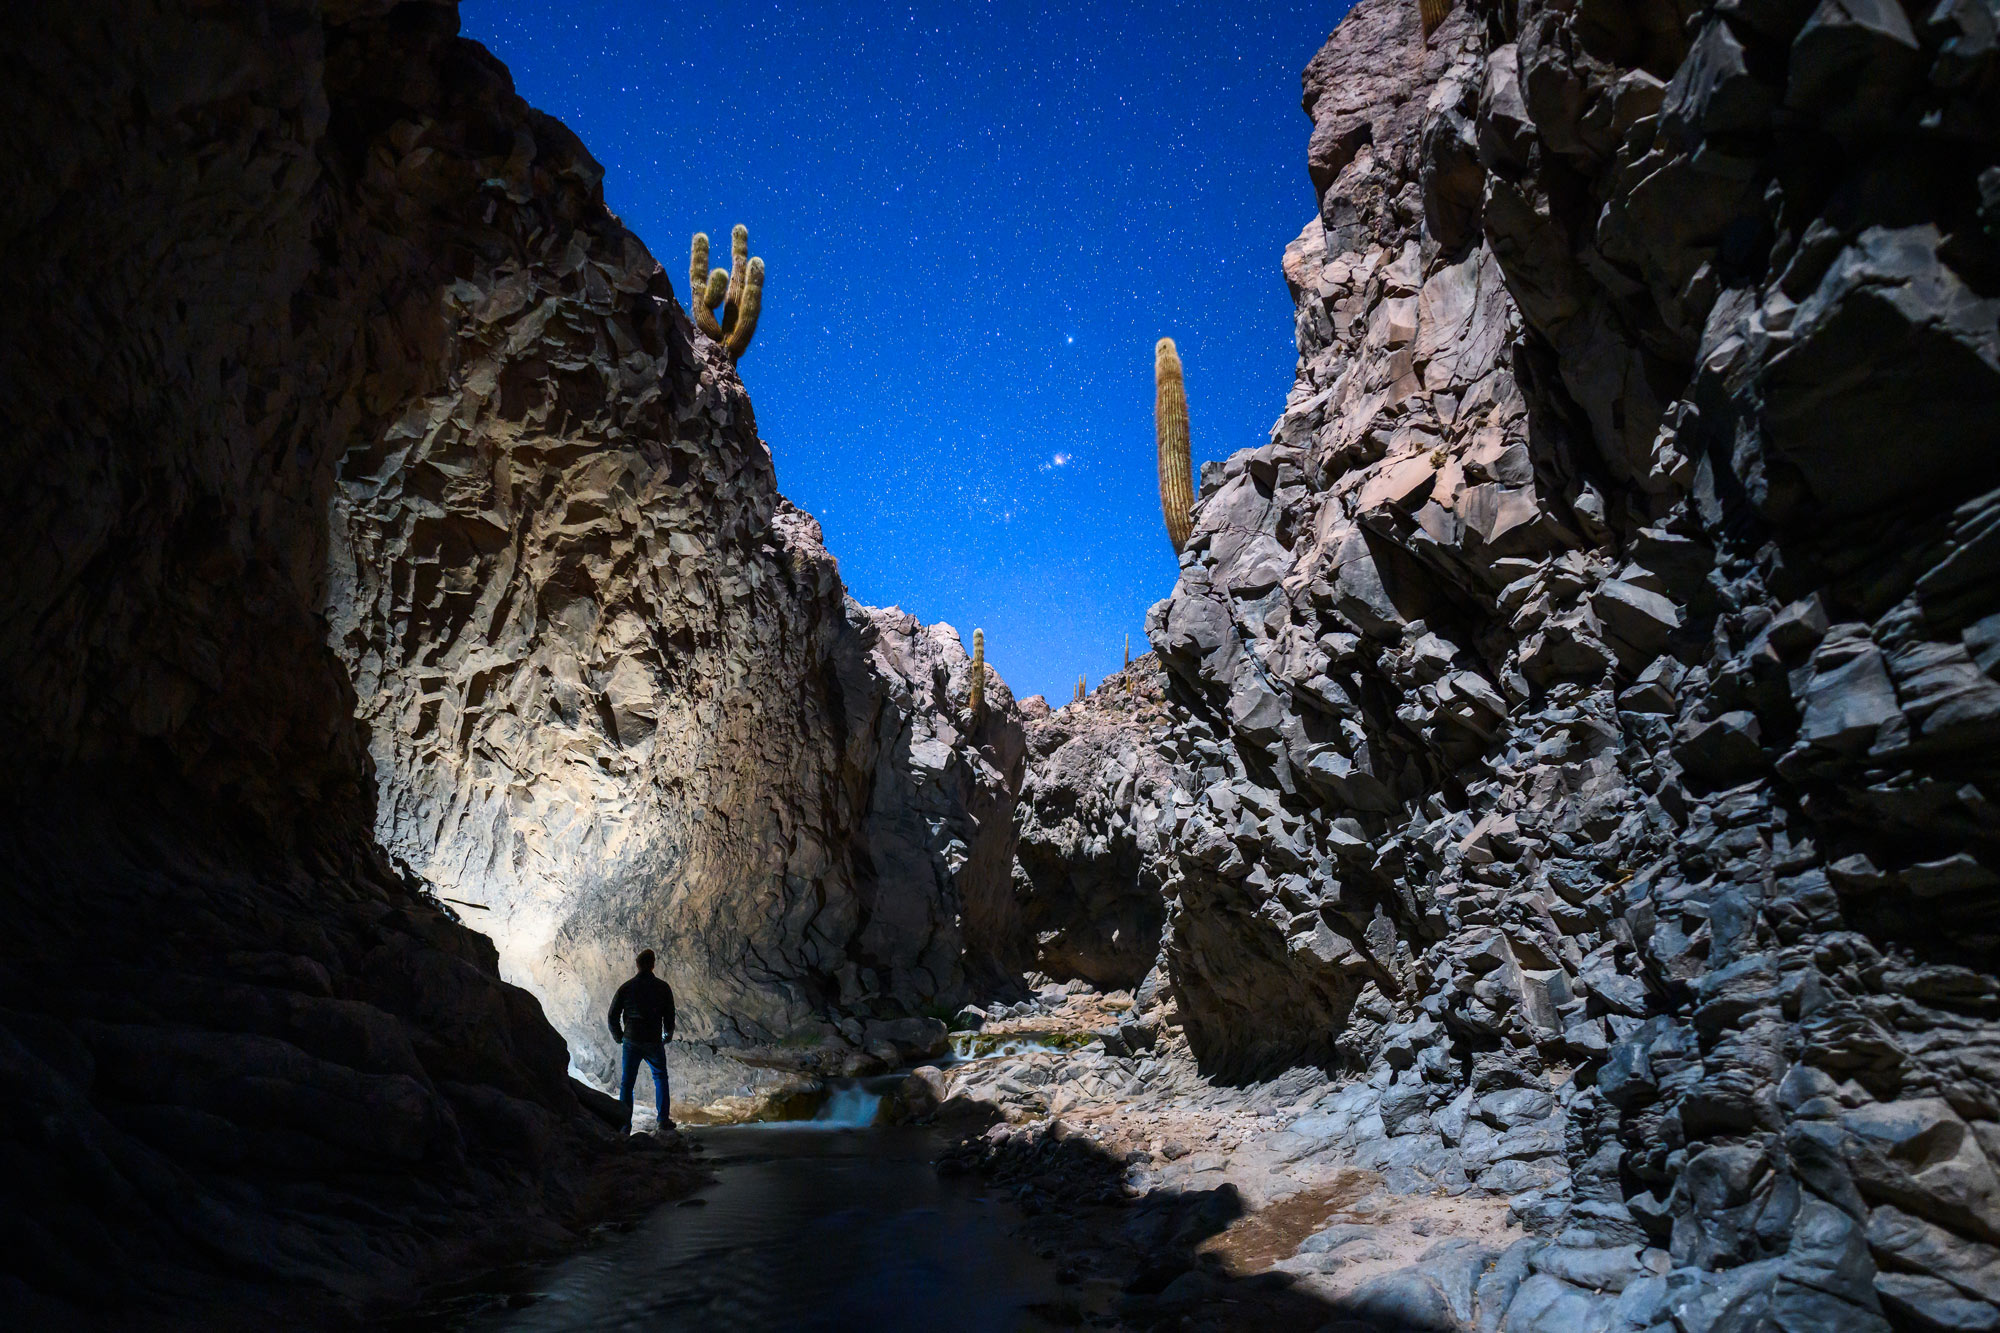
column 698, row 286
column 1077, row 698
column 737, row 291
column 978, row 669
column 1170, row 424
column 1432, row 13
column 1128, row 650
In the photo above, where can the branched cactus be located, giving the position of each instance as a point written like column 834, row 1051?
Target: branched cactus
column 978, row 669
column 1170, row 424
column 738, row 292
column 1432, row 13
column 1078, row 698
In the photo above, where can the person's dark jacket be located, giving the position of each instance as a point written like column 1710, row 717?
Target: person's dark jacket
column 643, row 1011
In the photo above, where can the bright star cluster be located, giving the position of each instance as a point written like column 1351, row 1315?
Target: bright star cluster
column 976, row 218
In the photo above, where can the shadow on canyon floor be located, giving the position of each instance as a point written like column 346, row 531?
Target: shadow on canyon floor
column 1168, row 1259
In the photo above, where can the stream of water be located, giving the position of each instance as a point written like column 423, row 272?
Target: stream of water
column 816, row 1225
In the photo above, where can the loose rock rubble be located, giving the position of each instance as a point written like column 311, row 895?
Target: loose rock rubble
column 1165, row 1192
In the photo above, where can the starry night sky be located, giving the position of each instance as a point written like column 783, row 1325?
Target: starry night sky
column 976, row 219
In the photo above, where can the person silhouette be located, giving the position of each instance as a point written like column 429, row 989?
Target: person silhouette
column 642, row 1022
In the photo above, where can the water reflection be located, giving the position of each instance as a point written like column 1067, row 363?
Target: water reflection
column 805, row 1229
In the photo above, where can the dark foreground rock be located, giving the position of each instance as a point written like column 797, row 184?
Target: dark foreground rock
column 253, row 1074
column 264, row 1084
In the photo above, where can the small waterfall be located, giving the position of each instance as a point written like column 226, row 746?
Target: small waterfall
column 848, row 1105
column 983, row 1045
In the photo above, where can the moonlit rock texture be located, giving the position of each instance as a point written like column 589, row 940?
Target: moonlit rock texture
column 1096, row 801
column 1589, row 693
column 618, row 697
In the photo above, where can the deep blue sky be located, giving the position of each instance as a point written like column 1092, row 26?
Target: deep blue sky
column 976, row 218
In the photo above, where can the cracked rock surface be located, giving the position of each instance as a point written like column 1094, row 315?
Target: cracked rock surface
column 1085, row 864
column 1564, row 780
column 616, row 695
column 1581, row 714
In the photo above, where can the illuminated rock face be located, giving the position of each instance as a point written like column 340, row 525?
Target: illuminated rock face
column 1584, row 706
column 619, row 699
column 616, row 694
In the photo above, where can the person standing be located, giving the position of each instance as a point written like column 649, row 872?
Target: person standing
column 642, row 1022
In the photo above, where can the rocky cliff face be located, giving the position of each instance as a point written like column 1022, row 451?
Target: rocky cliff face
column 248, row 1065
column 1086, row 868
column 1589, row 693
column 334, row 389
column 616, row 693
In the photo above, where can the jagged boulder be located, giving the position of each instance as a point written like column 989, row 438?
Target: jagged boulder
column 1096, row 801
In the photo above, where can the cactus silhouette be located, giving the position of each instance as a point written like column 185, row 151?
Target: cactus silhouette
column 978, row 669
column 738, row 292
column 1432, row 13
column 1170, row 424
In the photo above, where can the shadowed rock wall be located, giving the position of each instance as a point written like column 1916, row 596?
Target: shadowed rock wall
column 1590, row 690
column 248, row 1066
column 1086, row 867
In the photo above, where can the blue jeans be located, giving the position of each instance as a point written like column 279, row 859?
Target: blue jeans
column 654, row 1054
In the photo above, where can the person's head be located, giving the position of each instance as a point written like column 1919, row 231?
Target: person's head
column 645, row 960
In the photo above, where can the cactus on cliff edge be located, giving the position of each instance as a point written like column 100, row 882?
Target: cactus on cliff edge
column 738, row 291
column 1128, row 651
column 978, row 669
column 698, row 284
column 1078, row 698
column 1170, row 425
column 1432, row 13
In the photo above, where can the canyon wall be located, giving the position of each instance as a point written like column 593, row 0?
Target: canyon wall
column 252, row 1073
column 1088, row 858
column 616, row 694
column 333, row 389
column 1584, row 707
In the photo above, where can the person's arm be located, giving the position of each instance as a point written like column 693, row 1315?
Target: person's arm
column 618, row 1013
column 668, row 1025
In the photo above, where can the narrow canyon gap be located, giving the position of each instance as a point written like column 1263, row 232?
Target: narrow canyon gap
column 1563, row 781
